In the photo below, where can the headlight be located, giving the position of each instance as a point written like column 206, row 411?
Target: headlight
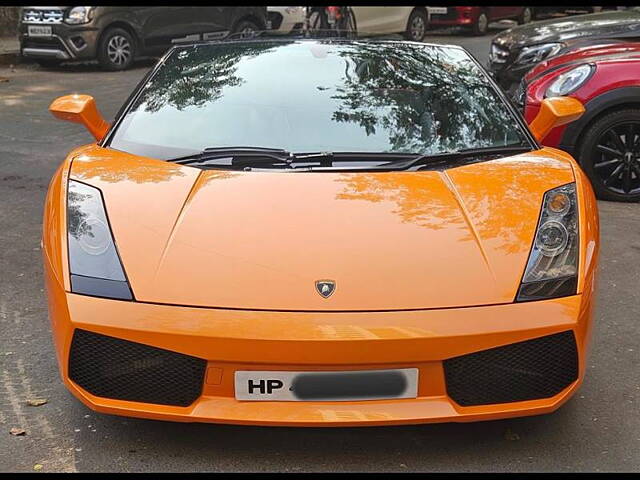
column 538, row 53
column 552, row 269
column 570, row 81
column 93, row 259
column 78, row 15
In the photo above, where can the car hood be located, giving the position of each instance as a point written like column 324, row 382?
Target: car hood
column 618, row 24
column 611, row 50
column 389, row 240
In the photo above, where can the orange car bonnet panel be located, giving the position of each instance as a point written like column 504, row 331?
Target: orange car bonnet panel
column 393, row 240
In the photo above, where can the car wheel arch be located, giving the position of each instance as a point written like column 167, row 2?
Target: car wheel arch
column 422, row 9
column 608, row 102
column 248, row 18
column 126, row 27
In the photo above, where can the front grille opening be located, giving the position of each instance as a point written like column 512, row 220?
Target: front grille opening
column 44, row 42
column 120, row 369
column 34, row 15
column 533, row 369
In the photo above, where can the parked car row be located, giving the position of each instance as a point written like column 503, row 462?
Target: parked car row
column 116, row 35
column 591, row 58
column 413, row 22
column 386, row 20
column 583, row 56
column 410, row 21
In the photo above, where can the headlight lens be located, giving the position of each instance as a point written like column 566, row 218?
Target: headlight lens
column 537, row 53
column 78, row 15
column 93, row 259
column 552, row 269
column 570, row 81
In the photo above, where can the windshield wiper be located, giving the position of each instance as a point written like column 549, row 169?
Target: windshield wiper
column 448, row 157
column 248, row 157
column 257, row 157
column 227, row 156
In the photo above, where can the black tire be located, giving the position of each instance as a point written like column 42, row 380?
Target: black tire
column 48, row 63
column 481, row 26
column 416, row 25
column 526, row 16
column 614, row 177
column 116, row 49
column 245, row 29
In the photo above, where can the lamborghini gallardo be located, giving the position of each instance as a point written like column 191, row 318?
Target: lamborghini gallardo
column 328, row 232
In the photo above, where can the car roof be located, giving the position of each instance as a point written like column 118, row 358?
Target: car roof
column 287, row 39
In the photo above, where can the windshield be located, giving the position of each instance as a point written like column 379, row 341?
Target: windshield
column 309, row 96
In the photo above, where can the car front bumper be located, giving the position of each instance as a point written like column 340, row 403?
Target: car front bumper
column 66, row 43
column 232, row 340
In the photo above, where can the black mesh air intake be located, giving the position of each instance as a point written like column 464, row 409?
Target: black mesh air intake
column 538, row 368
column 119, row 369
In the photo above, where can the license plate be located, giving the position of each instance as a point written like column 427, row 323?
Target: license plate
column 326, row 386
column 437, row 10
column 39, row 31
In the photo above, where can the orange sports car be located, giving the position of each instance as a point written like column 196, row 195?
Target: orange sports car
column 320, row 233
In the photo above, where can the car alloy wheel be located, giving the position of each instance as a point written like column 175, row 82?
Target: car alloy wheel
column 617, row 161
column 526, row 15
column 416, row 25
column 119, row 50
column 247, row 32
column 245, row 29
column 417, row 28
column 481, row 25
column 609, row 153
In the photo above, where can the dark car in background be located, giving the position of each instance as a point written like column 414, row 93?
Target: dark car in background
column 477, row 18
column 116, row 35
column 515, row 51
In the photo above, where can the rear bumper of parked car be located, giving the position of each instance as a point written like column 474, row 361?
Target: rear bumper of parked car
column 455, row 16
column 226, row 340
column 67, row 43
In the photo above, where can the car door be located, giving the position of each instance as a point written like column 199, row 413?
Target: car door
column 208, row 23
column 501, row 12
column 381, row 20
column 159, row 25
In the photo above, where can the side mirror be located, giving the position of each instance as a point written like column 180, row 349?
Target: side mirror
column 554, row 112
column 80, row 109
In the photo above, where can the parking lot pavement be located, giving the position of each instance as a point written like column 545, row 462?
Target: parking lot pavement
column 598, row 430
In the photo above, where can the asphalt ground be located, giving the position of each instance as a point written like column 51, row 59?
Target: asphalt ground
column 597, row 430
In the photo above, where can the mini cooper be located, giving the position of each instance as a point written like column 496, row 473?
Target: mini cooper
column 606, row 139
column 325, row 232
